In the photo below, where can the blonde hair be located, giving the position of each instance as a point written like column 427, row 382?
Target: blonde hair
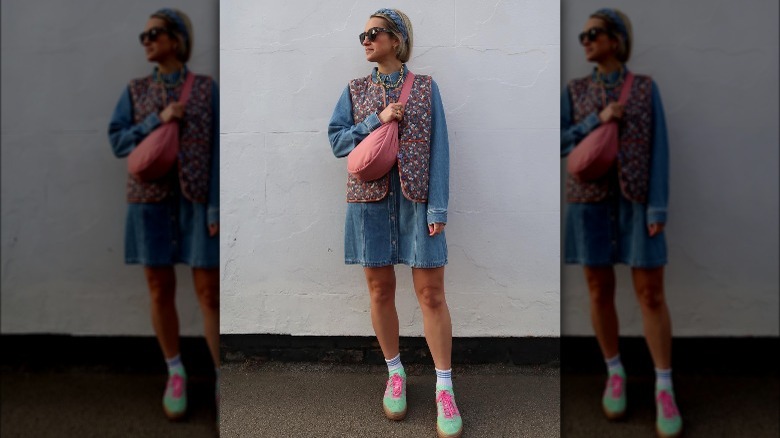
column 404, row 50
column 184, row 46
column 624, row 41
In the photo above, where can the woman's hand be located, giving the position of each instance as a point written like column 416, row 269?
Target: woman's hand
column 392, row 111
column 655, row 229
column 213, row 229
column 613, row 111
column 437, row 228
column 171, row 112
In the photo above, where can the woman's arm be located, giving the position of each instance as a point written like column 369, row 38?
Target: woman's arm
column 213, row 202
column 439, row 170
column 122, row 133
column 572, row 133
column 343, row 134
column 658, row 186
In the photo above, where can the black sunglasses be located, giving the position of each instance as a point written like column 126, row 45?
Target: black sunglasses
column 592, row 34
column 372, row 33
column 153, row 34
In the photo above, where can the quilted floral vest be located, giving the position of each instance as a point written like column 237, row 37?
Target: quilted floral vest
column 415, row 138
column 633, row 163
column 194, row 142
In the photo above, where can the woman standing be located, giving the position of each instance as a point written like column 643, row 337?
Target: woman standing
column 173, row 219
column 400, row 217
column 620, row 217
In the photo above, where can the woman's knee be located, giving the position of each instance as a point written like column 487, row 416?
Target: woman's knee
column 209, row 298
column 601, row 286
column 431, row 297
column 381, row 290
column 651, row 298
column 162, row 285
column 207, row 288
column 648, row 284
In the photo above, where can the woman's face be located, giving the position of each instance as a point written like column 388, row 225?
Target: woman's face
column 602, row 47
column 163, row 46
column 382, row 47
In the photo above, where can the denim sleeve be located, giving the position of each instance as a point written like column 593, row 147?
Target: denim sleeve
column 213, row 202
column 343, row 133
column 439, row 180
column 572, row 133
column 658, row 186
column 122, row 133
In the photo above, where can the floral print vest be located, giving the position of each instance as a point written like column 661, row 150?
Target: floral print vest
column 194, row 142
column 633, row 162
column 415, row 138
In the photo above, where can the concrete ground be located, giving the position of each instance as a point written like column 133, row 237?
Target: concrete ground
column 99, row 403
column 713, row 406
column 334, row 400
column 322, row 400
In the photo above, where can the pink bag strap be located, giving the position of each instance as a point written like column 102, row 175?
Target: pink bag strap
column 185, row 93
column 407, row 88
column 626, row 90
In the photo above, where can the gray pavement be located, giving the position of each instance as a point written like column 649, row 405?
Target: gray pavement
column 713, row 406
column 322, row 400
column 335, row 400
column 99, row 403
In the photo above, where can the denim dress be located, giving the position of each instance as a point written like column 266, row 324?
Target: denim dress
column 174, row 230
column 615, row 230
column 394, row 230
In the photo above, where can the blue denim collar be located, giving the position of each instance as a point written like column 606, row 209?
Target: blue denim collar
column 389, row 79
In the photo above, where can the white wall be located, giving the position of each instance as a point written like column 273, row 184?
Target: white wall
column 64, row 65
column 716, row 65
column 283, row 68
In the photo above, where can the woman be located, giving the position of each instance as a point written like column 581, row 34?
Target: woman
column 400, row 217
column 620, row 217
column 174, row 219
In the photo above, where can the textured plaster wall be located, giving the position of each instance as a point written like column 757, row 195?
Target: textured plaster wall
column 64, row 65
column 716, row 65
column 283, row 68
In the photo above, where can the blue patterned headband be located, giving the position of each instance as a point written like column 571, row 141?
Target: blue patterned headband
column 396, row 19
column 615, row 17
column 180, row 26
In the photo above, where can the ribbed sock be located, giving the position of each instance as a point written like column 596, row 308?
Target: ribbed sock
column 175, row 364
column 394, row 364
column 663, row 378
column 614, row 365
column 444, row 377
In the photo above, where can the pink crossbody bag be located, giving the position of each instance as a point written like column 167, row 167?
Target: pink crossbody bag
column 157, row 153
column 373, row 157
column 597, row 152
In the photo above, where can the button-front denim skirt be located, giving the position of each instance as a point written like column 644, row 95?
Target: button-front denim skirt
column 610, row 232
column 392, row 231
column 170, row 232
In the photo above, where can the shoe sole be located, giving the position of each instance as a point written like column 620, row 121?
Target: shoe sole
column 613, row 416
column 444, row 435
column 395, row 416
column 174, row 417
column 663, row 435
